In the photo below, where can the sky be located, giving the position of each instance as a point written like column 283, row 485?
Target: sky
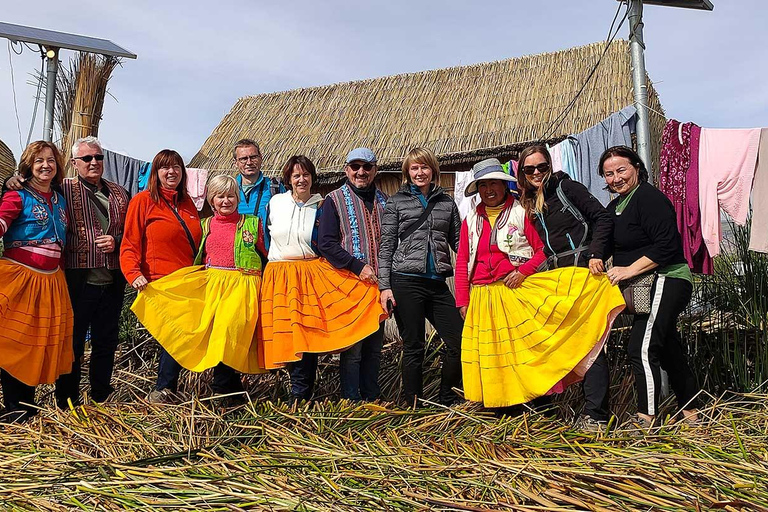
column 197, row 58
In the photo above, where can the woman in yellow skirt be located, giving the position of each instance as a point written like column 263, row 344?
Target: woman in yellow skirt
column 35, row 311
column 308, row 307
column 525, row 334
column 206, row 315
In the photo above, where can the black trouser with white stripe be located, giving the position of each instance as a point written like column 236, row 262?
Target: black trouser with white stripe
column 655, row 343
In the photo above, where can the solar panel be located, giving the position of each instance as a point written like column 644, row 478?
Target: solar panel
column 53, row 39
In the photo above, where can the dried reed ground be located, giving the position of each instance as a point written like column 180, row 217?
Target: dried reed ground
column 127, row 454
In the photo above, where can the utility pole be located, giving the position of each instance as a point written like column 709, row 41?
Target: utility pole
column 51, row 67
column 639, row 83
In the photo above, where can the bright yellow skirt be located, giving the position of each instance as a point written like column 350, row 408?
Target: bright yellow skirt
column 204, row 317
column 36, row 324
column 310, row 306
column 519, row 344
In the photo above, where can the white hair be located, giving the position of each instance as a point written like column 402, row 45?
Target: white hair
column 88, row 141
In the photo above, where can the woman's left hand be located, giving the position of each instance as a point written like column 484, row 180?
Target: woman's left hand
column 514, row 279
column 617, row 274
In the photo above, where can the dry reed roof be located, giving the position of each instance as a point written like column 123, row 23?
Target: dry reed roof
column 461, row 113
column 7, row 162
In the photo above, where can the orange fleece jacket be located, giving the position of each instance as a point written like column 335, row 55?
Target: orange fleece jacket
column 154, row 243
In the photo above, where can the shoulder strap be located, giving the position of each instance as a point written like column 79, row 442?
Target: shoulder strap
column 419, row 222
column 95, row 202
column 190, row 238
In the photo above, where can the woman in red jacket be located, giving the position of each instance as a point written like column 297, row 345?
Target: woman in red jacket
column 526, row 334
column 162, row 234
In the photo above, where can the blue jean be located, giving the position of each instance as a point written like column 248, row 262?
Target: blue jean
column 167, row 372
column 303, row 375
column 359, row 367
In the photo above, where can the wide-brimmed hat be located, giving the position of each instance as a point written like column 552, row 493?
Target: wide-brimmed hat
column 488, row 169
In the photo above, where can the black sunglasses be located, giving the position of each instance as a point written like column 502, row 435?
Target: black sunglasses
column 356, row 167
column 88, row 158
column 530, row 169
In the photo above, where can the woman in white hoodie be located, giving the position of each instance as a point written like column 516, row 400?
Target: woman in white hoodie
column 308, row 307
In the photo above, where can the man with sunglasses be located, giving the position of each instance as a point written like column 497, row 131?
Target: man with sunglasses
column 349, row 235
column 96, row 211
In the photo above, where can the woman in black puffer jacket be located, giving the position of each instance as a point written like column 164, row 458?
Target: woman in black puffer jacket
column 419, row 228
column 577, row 231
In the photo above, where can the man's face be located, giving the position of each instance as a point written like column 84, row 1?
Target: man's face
column 360, row 174
column 248, row 161
column 89, row 171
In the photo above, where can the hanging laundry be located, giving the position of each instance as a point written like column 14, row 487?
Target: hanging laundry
column 465, row 204
column 758, row 240
column 144, row 176
column 679, row 180
column 196, row 181
column 568, row 156
column 557, row 159
column 616, row 130
column 123, row 170
column 727, row 161
column 511, row 185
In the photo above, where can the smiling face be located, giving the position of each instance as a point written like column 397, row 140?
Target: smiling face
column 358, row 175
column 420, row 174
column 89, row 171
column 170, row 176
column 620, row 175
column 301, row 181
column 536, row 169
column 492, row 192
column 44, row 168
column 224, row 203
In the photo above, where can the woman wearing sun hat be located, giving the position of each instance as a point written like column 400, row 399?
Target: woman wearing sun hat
column 525, row 334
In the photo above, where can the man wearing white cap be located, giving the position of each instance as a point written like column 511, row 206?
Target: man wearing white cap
column 348, row 237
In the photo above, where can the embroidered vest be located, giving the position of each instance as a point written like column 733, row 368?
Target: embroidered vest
column 37, row 224
column 508, row 234
column 247, row 259
column 360, row 230
column 84, row 226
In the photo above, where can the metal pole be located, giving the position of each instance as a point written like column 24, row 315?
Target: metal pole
column 51, row 66
column 636, row 48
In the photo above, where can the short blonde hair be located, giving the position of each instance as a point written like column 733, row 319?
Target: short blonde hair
column 220, row 184
column 422, row 156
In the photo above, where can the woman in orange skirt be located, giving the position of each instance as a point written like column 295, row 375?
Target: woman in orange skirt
column 308, row 307
column 35, row 311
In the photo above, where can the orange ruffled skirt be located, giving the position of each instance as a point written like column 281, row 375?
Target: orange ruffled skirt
column 36, row 318
column 204, row 316
column 311, row 306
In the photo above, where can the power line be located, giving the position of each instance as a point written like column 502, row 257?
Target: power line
column 37, row 96
column 560, row 119
column 13, row 88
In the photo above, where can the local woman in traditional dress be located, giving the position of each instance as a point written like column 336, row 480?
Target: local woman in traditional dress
column 205, row 315
column 35, row 310
column 308, row 306
column 525, row 334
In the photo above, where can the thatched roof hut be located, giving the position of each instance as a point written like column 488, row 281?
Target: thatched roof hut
column 7, row 162
column 463, row 113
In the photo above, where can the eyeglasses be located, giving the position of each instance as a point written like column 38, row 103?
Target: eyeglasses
column 88, row 158
column 249, row 158
column 530, row 169
column 356, row 167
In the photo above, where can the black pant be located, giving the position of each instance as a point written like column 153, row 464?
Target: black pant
column 303, row 374
column 225, row 379
column 419, row 299
column 596, row 386
column 19, row 398
column 359, row 367
column 655, row 343
column 97, row 307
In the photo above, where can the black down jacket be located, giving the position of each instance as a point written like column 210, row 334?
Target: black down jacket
column 438, row 235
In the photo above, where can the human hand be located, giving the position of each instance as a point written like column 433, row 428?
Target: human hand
column 387, row 296
column 106, row 243
column 368, row 275
column 139, row 283
column 514, row 279
column 463, row 312
column 596, row 266
column 618, row 274
column 15, row 183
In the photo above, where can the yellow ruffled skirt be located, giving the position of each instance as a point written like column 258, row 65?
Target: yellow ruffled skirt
column 519, row 344
column 36, row 322
column 204, row 317
column 311, row 306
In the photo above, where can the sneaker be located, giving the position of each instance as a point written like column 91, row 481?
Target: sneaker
column 161, row 396
column 589, row 425
column 638, row 426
